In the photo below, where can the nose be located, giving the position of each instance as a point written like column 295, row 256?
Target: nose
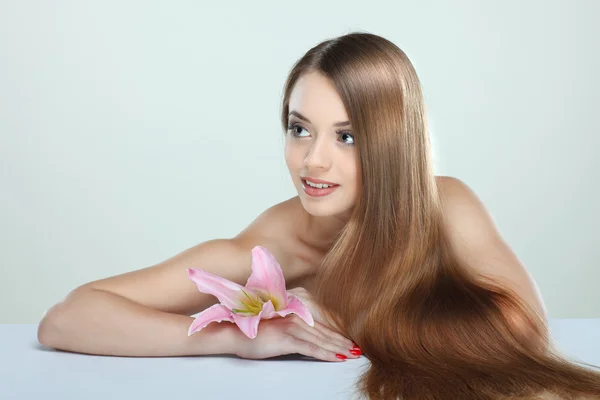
column 318, row 157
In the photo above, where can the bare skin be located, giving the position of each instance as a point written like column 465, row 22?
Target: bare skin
column 301, row 246
column 161, row 298
column 114, row 315
column 285, row 230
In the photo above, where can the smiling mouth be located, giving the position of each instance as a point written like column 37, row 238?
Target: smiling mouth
column 329, row 185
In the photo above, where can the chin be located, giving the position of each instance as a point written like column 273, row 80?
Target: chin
column 318, row 211
column 323, row 209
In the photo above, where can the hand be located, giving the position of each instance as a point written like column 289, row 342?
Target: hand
column 291, row 335
column 279, row 336
column 304, row 296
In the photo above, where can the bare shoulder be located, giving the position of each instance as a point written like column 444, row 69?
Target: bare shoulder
column 276, row 230
column 478, row 244
column 165, row 286
column 450, row 186
column 273, row 222
column 465, row 214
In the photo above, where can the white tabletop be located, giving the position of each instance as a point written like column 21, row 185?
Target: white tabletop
column 29, row 370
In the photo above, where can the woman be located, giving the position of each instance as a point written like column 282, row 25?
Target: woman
column 406, row 264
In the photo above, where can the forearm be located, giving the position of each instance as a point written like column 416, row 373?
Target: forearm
column 103, row 323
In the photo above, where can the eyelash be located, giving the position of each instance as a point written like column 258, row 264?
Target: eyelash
column 292, row 126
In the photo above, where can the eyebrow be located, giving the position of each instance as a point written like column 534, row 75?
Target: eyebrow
column 297, row 114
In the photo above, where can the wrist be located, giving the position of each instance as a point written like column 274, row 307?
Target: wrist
column 234, row 339
column 230, row 338
column 216, row 338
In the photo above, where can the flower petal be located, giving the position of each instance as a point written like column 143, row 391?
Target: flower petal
column 295, row 306
column 226, row 291
column 268, row 310
column 267, row 277
column 249, row 325
column 215, row 313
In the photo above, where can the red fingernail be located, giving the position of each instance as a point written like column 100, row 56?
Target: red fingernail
column 341, row 356
column 356, row 352
column 356, row 347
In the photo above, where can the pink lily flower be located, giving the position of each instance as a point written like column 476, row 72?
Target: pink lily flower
column 263, row 297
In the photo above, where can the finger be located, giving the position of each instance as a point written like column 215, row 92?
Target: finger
column 330, row 334
column 311, row 349
column 325, row 335
column 308, row 334
column 328, row 331
column 343, row 341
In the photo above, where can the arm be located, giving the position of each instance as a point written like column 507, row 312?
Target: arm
column 477, row 243
column 146, row 312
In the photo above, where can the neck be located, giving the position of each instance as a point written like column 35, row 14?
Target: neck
column 320, row 232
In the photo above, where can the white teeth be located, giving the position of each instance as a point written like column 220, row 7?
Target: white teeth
column 318, row 185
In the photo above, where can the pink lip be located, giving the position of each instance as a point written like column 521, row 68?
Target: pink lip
column 315, row 192
column 314, row 180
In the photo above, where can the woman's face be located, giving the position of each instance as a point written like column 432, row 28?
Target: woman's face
column 320, row 145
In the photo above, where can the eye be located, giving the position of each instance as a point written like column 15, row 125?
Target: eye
column 296, row 134
column 347, row 134
column 293, row 127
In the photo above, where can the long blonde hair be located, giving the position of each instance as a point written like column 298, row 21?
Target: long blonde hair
column 390, row 281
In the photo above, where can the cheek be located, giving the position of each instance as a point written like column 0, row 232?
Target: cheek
column 293, row 157
column 286, row 154
column 357, row 173
column 289, row 161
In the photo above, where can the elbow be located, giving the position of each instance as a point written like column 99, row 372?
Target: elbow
column 54, row 320
column 51, row 325
column 47, row 325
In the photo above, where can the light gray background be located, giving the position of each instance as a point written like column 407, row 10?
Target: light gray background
column 130, row 131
